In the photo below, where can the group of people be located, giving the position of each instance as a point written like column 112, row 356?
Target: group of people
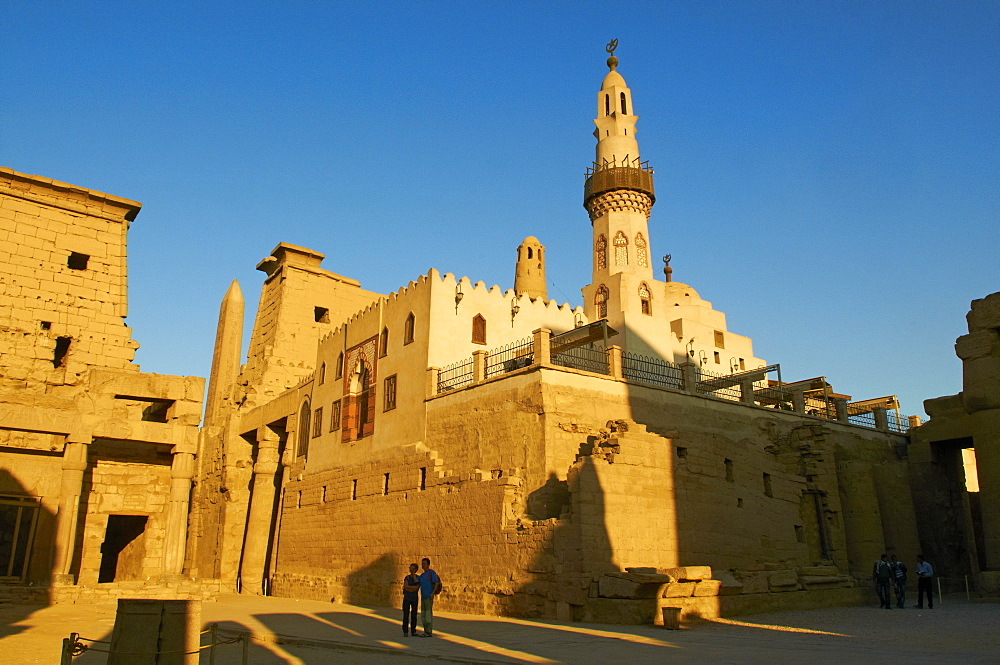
column 891, row 573
column 424, row 586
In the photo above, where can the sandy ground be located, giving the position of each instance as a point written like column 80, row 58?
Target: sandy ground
column 311, row 632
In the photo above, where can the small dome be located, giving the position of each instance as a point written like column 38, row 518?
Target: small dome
column 680, row 292
column 531, row 240
column 613, row 79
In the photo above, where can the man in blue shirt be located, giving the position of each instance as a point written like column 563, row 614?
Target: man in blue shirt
column 924, row 575
column 430, row 586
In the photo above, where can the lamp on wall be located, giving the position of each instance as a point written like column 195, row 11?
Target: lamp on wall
column 690, row 347
column 458, row 295
column 514, row 309
column 577, row 319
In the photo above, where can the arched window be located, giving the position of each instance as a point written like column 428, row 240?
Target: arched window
column 640, row 251
column 624, row 112
column 529, row 252
column 607, row 104
column 322, row 373
column 362, row 388
column 621, row 249
column 383, row 343
column 408, row 329
column 601, row 301
column 340, row 367
column 304, row 420
column 646, row 299
column 479, row 329
column 601, row 251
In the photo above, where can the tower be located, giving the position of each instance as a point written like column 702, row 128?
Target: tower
column 529, row 274
column 618, row 195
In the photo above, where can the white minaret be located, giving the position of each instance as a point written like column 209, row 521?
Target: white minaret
column 618, row 195
column 664, row 319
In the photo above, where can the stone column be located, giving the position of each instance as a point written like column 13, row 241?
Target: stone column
column 433, row 375
column 261, row 512
column 841, row 405
column 746, row 391
column 73, row 465
column 689, row 376
column 986, row 439
column 881, row 416
column 175, row 537
column 798, row 401
column 615, row 361
column 478, row 366
column 542, row 346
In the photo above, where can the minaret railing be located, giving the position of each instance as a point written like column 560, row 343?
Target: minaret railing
column 626, row 174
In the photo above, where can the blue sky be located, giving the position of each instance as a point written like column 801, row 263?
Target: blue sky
column 827, row 172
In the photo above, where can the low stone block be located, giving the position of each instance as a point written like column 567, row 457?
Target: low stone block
column 755, row 584
column 783, row 580
column 679, row 589
column 641, row 569
column 822, row 581
column 707, row 588
column 688, row 573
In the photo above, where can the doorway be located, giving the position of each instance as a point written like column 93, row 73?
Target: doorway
column 123, row 548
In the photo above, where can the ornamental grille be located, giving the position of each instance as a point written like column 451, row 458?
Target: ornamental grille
column 602, row 252
column 601, row 300
column 621, row 249
column 640, row 251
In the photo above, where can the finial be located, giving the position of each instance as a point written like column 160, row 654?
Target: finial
column 610, row 48
column 667, row 270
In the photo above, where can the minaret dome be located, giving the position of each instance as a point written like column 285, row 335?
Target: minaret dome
column 529, row 274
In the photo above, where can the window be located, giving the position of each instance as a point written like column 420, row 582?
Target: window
column 389, row 395
column 385, row 485
column 383, row 343
column 298, row 499
column 340, row 367
column 77, row 261
column 601, row 252
column 322, row 373
column 354, row 490
column 641, row 256
column 529, row 252
column 681, row 451
column 423, row 477
column 621, row 249
column 720, row 339
column 335, row 416
column 607, row 104
column 18, row 515
column 408, row 329
column 364, row 397
column 767, row 485
column 479, row 329
column 717, row 358
column 645, row 299
column 601, row 301
column 742, row 364
column 624, row 111
column 321, row 314
column 322, row 497
column 304, row 414
column 317, row 425
column 729, row 470
column 59, row 353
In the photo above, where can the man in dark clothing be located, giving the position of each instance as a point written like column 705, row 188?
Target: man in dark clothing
column 882, row 576
column 899, row 580
column 411, row 589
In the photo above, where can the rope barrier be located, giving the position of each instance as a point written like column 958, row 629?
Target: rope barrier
column 73, row 645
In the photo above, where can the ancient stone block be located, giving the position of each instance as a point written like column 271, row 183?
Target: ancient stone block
column 783, row 580
column 984, row 313
column 679, row 589
column 688, row 573
column 978, row 344
column 708, row 588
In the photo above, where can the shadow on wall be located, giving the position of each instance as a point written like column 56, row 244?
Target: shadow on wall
column 373, row 584
column 27, row 531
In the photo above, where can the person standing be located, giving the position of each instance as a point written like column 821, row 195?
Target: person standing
column 925, row 573
column 882, row 576
column 411, row 587
column 430, row 586
column 899, row 580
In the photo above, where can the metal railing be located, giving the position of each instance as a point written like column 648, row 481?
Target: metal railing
column 510, row 357
column 455, row 376
column 725, row 386
column 898, row 422
column 588, row 359
column 651, row 371
column 864, row 419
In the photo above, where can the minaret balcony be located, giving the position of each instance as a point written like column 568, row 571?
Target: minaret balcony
column 607, row 178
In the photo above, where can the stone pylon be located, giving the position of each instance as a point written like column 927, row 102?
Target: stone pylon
column 226, row 358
